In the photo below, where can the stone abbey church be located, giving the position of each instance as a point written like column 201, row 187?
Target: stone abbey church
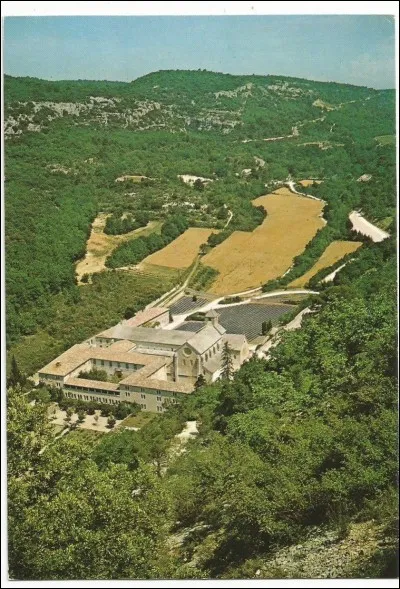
column 151, row 365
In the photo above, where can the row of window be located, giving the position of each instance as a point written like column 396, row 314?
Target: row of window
column 212, row 351
column 90, row 398
column 190, row 362
column 125, row 365
column 144, row 406
column 141, row 390
column 97, row 391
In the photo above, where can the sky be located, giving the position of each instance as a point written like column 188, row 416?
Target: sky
column 355, row 49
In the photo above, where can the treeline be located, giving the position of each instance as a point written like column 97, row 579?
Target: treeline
column 135, row 250
column 116, row 225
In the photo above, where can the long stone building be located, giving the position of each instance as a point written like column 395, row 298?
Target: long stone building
column 151, row 366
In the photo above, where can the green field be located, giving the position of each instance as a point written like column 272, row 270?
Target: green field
column 386, row 139
column 87, row 436
column 138, row 420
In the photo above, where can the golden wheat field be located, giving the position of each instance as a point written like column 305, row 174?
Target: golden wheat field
column 334, row 252
column 306, row 183
column 100, row 245
column 247, row 260
column 181, row 252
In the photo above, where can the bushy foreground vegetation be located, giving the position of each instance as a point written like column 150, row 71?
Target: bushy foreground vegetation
column 301, row 443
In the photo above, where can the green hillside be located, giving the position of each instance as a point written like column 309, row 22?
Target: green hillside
column 67, row 142
column 293, row 473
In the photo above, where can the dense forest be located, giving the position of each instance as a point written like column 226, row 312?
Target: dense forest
column 297, row 449
column 293, row 471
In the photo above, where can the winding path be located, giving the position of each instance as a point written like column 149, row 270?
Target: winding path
column 364, row 227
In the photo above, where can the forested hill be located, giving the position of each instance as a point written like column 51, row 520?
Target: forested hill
column 67, row 142
column 293, row 473
column 188, row 100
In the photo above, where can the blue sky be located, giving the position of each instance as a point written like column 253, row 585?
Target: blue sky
column 354, row 49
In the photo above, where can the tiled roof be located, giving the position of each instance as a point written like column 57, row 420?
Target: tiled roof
column 81, row 353
column 145, row 316
column 68, row 361
column 158, row 384
column 235, row 341
column 204, row 339
column 92, row 384
column 146, row 334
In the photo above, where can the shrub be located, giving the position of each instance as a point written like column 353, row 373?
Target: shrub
column 123, row 410
column 105, row 410
column 111, row 421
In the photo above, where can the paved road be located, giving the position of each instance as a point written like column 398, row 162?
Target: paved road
column 364, row 227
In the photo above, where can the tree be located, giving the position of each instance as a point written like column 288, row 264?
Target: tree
column 266, row 327
column 201, row 381
column 122, row 410
column 28, row 431
column 130, row 312
column 227, row 362
column 75, row 509
column 94, row 374
column 119, row 447
column 15, row 377
column 198, row 184
column 81, row 416
column 111, row 421
column 85, row 278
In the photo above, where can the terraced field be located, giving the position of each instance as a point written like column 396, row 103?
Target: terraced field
column 248, row 319
column 181, row 252
column 187, row 304
column 248, row 260
column 333, row 253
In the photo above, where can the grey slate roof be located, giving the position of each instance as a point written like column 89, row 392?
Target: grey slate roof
column 204, row 339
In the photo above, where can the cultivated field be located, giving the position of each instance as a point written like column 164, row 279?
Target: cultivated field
column 248, row 260
column 306, row 183
column 333, row 253
column 181, row 252
column 386, row 139
column 187, row 304
column 100, row 245
column 243, row 319
column 248, row 319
